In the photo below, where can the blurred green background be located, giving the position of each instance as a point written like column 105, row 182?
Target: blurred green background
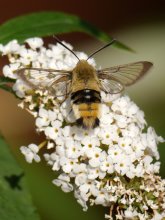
column 138, row 24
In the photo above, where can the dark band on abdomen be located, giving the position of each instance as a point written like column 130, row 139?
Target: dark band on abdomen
column 86, row 96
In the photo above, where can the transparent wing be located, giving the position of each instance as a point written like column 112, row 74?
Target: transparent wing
column 56, row 82
column 111, row 86
column 114, row 79
column 125, row 75
column 61, row 87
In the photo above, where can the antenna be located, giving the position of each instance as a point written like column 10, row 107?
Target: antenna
column 65, row 47
column 107, row 45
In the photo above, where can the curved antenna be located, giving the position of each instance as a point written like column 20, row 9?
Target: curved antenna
column 107, row 45
column 66, row 47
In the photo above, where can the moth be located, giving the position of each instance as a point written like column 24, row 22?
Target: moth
column 84, row 84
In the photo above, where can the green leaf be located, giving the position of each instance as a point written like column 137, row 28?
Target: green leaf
column 43, row 24
column 15, row 200
column 4, row 81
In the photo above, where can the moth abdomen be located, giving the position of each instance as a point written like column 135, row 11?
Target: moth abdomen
column 86, row 96
column 86, row 106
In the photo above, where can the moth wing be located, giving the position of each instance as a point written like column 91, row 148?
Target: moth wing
column 56, row 82
column 114, row 79
column 111, row 86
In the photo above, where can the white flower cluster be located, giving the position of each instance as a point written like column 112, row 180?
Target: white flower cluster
column 113, row 165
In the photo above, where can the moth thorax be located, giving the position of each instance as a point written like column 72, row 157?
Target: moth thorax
column 86, row 107
column 84, row 76
column 84, row 69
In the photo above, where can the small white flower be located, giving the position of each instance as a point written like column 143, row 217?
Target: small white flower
column 101, row 198
column 60, row 148
column 109, row 134
column 152, row 204
column 30, row 153
column 108, row 98
column 81, row 200
column 67, row 164
column 27, row 56
column 50, row 145
column 132, row 110
column 123, row 164
column 138, row 147
column 157, row 216
column 149, row 166
column 121, row 104
column 132, row 130
column 115, row 153
column 35, row 42
column 69, row 131
column 156, row 167
column 106, row 116
column 80, row 179
column 8, row 70
column 73, row 148
column 11, row 47
column 108, row 217
column 107, row 165
column 125, row 143
column 94, row 173
column 45, row 117
column 55, row 131
column 63, row 181
column 83, row 134
column 119, row 216
column 88, row 186
column 80, row 168
column 121, row 120
column 53, row 160
column 20, row 88
column 52, row 133
column 96, row 157
column 129, row 214
column 89, row 144
column 152, row 140
column 137, row 170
